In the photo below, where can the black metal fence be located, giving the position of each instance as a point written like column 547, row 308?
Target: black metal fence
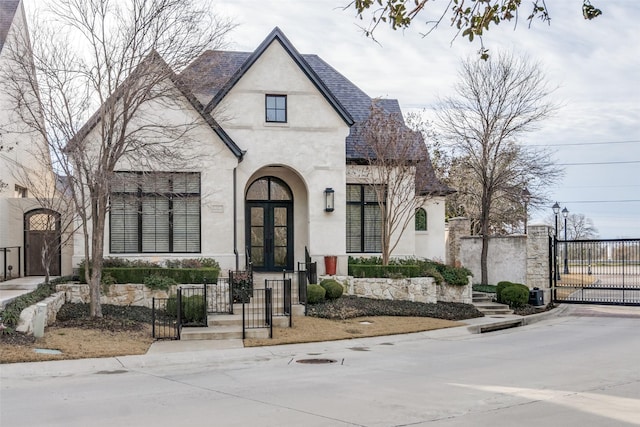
column 596, row 271
column 219, row 297
column 258, row 314
column 282, row 301
column 187, row 308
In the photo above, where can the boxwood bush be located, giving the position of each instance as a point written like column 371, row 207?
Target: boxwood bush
column 138, row 274
column 333, row 289
column 516, row 295
column 409, row 267
column 501, row 287
column 315, row 294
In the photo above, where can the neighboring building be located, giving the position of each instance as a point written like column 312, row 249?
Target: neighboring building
column 275, row 134
column 26, row 223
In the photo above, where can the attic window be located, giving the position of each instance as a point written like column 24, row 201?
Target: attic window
column 276, row 108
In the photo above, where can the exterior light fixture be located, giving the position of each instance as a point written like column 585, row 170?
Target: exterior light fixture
column 556, row 211
column 329, row 199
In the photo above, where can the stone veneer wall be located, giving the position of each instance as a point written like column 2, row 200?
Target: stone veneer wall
column 419, row 289
column 28, row 315
column 538, row 259
column 129, row 294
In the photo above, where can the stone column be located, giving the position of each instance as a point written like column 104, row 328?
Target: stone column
column 458, row 227
column 538, row 259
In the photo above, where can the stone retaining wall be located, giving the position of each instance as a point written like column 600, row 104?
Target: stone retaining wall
column 419, row 289
column 28, row 315
column 129, row 294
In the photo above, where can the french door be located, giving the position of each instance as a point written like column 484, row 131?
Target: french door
column 270, row 235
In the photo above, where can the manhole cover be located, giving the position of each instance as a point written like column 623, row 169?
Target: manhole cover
column 315, row 361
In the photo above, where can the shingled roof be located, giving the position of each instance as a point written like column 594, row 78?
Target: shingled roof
column 213, row 74
column 7, row 12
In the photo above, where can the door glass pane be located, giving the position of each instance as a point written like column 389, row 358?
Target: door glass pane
column 280, row 257
column 280, row 236
column 257, row 236
column 280, row 217
column 279, row 190
column 259, row 190
column 257, row 216
column 257, row 257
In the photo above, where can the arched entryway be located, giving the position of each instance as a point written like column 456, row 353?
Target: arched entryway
column 269, row 233
column 42, row 242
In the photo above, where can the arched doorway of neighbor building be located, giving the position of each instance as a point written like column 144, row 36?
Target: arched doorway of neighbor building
column 42, row 239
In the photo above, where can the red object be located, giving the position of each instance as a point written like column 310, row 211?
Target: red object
column 330, row 265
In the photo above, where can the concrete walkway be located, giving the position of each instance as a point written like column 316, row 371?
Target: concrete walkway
column 11, row 289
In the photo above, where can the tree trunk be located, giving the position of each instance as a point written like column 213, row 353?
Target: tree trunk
column 97, row 258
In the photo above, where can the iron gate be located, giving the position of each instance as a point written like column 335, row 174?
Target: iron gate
column 595, row 271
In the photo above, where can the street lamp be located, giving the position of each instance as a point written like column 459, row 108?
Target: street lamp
column 526, row 197
column 556, row 211
column 565, row 213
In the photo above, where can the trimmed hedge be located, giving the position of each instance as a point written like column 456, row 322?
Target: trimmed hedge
column 315, row 294
column 516, row 295
column 332, row 288
column 501, row 286
column 138, row 274
column 392, row 271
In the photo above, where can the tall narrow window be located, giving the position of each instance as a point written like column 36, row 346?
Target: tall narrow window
column 421, row 219
column 364, row 219
column 276, row 108
column 155, row 212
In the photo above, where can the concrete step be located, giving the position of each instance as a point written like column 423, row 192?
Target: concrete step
column 212, row 333
column 491, row 308
column 482, row 297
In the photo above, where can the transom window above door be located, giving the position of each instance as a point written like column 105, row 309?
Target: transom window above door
column 276, row 108
column 269, row 188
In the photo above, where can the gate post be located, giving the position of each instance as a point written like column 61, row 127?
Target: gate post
column 539, row 256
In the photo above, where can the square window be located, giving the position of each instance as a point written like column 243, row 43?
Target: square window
column 276, row 108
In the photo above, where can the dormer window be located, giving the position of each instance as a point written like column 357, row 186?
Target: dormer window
column 276, row 108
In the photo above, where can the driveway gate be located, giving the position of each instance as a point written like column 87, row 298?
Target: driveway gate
column 595, row 271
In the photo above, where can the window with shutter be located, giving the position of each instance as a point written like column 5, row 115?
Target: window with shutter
column 364, row 219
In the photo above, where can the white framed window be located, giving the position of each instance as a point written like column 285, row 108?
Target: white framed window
column 276, row 108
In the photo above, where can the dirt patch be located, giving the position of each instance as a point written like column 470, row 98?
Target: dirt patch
column 313, row 329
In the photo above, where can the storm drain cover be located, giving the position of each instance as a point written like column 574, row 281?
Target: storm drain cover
column 315, row 361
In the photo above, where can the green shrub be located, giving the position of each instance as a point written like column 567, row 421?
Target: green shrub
column 172, row 306
column 156, row 281
column 395, row 271
column 315, row 294
column 193, row 309
column 11, row 313
column 500, row 287
column 180, row 275
column 408, row 267
column 485, row 288
column 516, row 295
column 333, row 289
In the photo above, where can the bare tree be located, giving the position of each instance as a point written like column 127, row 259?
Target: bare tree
column 392, row 153
column 118, row 58
column 495, row 102
column 579, row 227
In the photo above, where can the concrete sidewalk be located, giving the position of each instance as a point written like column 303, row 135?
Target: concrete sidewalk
column 11, row 289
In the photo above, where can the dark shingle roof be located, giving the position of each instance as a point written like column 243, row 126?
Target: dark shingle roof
column 212, row 74
column 7, row 12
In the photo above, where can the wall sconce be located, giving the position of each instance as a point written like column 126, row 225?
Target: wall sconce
column 329, row 199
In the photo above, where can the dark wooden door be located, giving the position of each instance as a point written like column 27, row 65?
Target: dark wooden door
column 42, row 242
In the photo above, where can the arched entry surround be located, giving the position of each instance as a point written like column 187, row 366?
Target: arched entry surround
column 42, row 237
column 297, row 228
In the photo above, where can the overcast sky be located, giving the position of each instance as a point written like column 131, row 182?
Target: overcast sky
column 595, row 66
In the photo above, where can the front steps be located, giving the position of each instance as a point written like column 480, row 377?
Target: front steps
column 229, row 326
column 482, row 301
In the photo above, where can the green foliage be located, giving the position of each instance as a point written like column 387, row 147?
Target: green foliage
column 333, row 289
column 241, row 286
column 408, row 267
column 485, row 288
column 159, row 282
column 516, row 295
column 192, row 263
column 500, row 287
column 193, row 309
column 172, row 306
column 315, row 294
column 180, row 275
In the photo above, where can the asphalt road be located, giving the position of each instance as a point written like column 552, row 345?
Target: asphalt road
column 580, row 369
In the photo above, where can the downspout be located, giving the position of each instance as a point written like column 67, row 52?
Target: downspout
column 235, row 219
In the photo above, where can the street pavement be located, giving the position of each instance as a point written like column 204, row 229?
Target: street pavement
column 578, row 367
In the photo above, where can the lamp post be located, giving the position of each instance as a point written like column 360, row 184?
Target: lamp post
column 556, row 211
column 565, row 214
column 526, row 197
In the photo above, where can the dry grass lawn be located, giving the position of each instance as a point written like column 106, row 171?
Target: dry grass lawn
column 78, row 343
